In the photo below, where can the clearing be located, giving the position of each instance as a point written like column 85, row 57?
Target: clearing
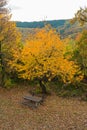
column 55, row 114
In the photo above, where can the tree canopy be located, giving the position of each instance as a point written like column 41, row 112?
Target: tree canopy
column 43, row 58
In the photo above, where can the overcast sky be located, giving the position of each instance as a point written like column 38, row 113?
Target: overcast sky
column 39, row 10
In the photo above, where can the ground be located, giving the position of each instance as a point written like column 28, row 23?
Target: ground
column 55, row 114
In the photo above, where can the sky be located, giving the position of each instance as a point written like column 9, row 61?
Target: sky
column 40, row 10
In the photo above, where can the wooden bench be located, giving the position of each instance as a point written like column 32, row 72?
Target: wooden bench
column 32, row 101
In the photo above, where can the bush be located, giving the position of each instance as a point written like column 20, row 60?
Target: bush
column 69, row 90
column 9, row 83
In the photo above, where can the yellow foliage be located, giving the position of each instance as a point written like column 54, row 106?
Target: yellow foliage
column 43, row 56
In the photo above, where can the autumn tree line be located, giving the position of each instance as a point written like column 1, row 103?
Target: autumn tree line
column 43, row 56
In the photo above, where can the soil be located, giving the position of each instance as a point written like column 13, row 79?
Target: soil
column 54, row 114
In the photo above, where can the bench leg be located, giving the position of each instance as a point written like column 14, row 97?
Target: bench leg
column 36, row 104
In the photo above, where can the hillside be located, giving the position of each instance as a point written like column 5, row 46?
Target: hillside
column 62, row 26
column 40, row 24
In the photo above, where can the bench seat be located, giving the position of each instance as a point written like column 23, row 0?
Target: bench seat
column 32, row 101
column 33, row 98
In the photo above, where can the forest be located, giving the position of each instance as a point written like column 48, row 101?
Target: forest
column 63, row 27
column 47, row 57
column 40, row 24
column 43, row 56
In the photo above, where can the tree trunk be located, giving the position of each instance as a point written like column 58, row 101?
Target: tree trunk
column 2, row 67
column 43, row 87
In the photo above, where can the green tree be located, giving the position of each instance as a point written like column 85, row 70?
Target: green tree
column 81, row 51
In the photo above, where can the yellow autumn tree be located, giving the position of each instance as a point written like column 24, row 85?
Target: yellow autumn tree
column 9, row 40
column 42, row 58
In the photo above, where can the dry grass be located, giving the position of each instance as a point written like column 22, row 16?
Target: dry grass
column 55, row 113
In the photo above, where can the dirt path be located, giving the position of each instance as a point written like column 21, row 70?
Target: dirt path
column 55, row 114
